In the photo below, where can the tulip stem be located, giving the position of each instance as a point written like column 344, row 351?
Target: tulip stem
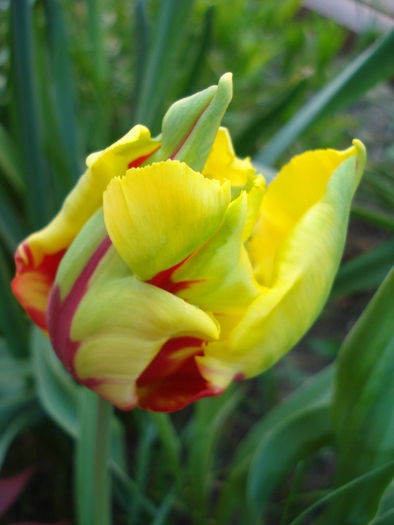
column 93, row 492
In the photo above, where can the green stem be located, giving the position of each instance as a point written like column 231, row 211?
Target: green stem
column 92, row 477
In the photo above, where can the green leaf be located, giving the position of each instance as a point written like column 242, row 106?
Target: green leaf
column 365, row 271
column 383, row 220
column 363, row 407
column 127, row 491
column 170, row 441
column 92, row 481
column 56, row 390
column 63, row 81
column 372, row 66
column 385, row 519
column 360, row 486
column 28, row 417
column 141, row 35
column 266, row 116
column 205, row 429
column 314, row 391
column 170, row 26
column 35, row 170
column 199, row 54
column 12, row 405
column 12, row 230
column 99, row 72
column 10, row 164
column 280, row 450
column 60, row 395
column 12, row 323
column 165, row 508
column 13, row 369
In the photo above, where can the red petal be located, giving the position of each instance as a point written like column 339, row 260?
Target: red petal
column 30, row 279
column 173, row 380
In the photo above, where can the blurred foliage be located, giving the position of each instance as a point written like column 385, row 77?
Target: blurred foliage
column 74, row 77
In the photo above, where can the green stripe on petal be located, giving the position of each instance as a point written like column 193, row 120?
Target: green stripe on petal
column 158, row 215
column 305, row 266
column 191, row 124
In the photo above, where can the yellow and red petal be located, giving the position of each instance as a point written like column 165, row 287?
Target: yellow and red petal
column 41, row 252
column 108, row 326
column 32, row 286
column 172, row 380
column 158, row 215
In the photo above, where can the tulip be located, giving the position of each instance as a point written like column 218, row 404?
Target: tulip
column 170, row 272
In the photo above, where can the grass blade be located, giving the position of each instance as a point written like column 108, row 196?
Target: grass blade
column 12, row 323
column 30, row 416
column 383, row 220
column 316, row 390
column 170, row 441
column 10, row 164
column 29, row 115
column 362, row 404
column 379, row 477
column 56, row 390
column 63, row 84
column 170, row 26
column 366, row 271
column 281, row 449
column 370, row 67
column 141, row 35
column 12, row 230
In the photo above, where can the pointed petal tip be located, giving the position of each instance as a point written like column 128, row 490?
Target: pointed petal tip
column 225, row 85
column 361, row 154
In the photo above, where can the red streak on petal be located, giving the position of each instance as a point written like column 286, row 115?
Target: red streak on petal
column 136, row 163
column 239, row 377
column 173, row 380
column 189, row 132
column 30, row 279
column 61, row 314
column 165, row 362
column 163, row 280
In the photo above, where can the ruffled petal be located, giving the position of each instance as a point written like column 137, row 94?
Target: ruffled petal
column 158, row 215
column 304, row 268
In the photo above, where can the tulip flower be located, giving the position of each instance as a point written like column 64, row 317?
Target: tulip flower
column 170, row 272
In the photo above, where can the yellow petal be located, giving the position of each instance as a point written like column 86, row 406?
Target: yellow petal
column 304, row 269
column 222, row 164
column 298, row 186
column 218, row 277
column 158, row 215
column 255, row 196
